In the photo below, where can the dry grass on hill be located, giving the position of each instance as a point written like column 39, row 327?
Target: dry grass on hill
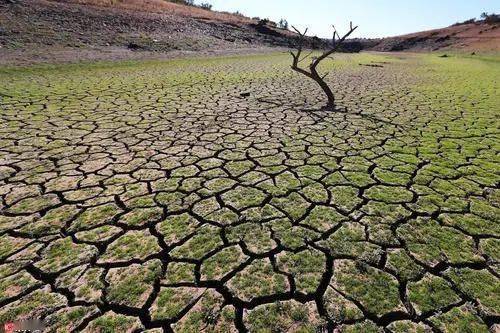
column 164, row 6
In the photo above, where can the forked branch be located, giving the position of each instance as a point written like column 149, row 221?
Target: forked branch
column 312, row 71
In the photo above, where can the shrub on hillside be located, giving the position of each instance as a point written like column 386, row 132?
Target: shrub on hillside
column 206, row 5
column 283, row 24
column 184, row 2
column 263, row 22
column 490, row 18
column 267, row 22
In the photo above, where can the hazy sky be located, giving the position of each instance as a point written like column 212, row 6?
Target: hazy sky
column 376, row 18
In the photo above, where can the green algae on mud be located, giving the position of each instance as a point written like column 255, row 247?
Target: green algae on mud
column 152, row 195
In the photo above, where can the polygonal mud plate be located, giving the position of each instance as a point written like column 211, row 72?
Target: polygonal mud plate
column 286, row 316
column 142, row 216
column 132, row 285
column 294, row 205
column 258, row 280
column 306, row 267
column 376, row 290
column 338, row 308
column 222, row 263
column 460, row 319
column 256, row 237
column 171, row 303
column 433, row 243
column 10, row 245
column 407, row 326
column 179, row 272
column 113, row 322
column 209, row 314
column 52, row 222
column 36, row 304
column 206, row 239
column 17, row 284
column 366, row 326
column 431, row 293
column 131, row 245
column 176, row 227
column 95, row 216
column 323, row 218
column 68, row 319
column 350, row 240
column 63, row 253
column 243, row 197
column 480, row 285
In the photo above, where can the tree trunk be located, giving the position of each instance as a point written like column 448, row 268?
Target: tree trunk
column 313, row 72
column 326, row 89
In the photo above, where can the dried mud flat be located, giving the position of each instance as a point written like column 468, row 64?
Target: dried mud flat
column 152, row 196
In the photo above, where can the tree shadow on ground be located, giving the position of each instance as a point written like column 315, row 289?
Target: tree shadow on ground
column 320, row 113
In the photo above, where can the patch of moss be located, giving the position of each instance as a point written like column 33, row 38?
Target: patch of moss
column 283, row 317
column 375, row 289
column 257, row 279
column 480, row 285
column 306, row 267
column 63, row 253
column 132, row 285
column 431, row 293
column 432, row 243
column 111, row 322
column 172, row 301
column 222, row 263
column 460, row 319
column 206, row 239
column 294, row 205
column 131, row 245
column 176, row 227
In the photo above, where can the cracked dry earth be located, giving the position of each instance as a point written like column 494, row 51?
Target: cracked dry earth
column 150, row 196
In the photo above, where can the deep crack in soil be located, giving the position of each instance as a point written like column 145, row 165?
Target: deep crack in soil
column 152, row 196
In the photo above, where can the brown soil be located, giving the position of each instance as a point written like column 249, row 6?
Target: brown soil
column 474, row 37
column 41, row 31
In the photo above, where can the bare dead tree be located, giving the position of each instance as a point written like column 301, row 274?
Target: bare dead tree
column 315, row 61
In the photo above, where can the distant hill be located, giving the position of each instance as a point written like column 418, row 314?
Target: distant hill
column 72, row 30
column 113, row 29
column 478, row 36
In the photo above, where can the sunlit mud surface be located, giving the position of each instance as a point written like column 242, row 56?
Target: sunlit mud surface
column 152, row 196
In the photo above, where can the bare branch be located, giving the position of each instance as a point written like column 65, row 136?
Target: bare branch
column 300, row 33
column 306, row 56
column 335, row 48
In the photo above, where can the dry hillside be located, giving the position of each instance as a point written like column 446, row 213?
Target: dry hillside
column 474, row 37
column 96, row 29
column 72, row 30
